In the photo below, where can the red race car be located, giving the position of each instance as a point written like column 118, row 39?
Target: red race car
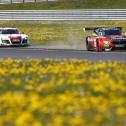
column 105, row 39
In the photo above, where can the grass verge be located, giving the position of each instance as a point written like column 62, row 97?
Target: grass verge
column 84, row 4
column 59, row 33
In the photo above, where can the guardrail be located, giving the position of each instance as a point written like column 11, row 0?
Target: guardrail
column 84, row 14
column 22, row 1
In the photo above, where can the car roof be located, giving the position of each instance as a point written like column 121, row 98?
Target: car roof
column 108, row 29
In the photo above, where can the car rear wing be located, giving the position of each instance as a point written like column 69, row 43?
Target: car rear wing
column 94, row 28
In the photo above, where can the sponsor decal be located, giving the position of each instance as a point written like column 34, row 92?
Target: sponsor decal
column 89, row 39
column 94, row 42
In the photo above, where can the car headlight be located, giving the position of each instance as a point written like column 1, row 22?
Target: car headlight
column 25, row 38
column 106, row 43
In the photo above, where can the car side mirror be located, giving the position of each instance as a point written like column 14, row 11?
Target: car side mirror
column 21, row 32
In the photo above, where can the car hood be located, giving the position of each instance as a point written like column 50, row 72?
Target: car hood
column 116, row 37
column 11, row 35
column 17, row 36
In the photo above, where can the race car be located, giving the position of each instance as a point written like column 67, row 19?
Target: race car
column 13, row 37
column 105, row 39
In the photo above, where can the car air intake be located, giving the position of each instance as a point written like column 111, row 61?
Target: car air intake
column 15, row 41
column 119, row 41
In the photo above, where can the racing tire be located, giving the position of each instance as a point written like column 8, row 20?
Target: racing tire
column 98, row 48
column 88, row 44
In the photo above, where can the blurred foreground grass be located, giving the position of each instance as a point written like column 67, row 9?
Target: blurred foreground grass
column 54, row 32
column 62, row 93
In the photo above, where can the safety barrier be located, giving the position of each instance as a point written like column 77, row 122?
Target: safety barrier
column 84, row 14
column 22, row 1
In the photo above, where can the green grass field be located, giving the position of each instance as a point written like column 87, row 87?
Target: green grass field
column 67, row 5
column 59, row 33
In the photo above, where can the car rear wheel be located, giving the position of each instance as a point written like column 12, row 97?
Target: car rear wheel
column 88, row 44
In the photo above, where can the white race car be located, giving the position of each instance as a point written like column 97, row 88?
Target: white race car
column 12, row 37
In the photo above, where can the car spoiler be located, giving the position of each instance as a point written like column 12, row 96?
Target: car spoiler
column 94, row 28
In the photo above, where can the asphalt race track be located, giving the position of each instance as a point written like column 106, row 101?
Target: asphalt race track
column 30, row 53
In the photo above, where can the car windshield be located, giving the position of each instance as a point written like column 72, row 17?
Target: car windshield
column 112, row 32
column 10, row 31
